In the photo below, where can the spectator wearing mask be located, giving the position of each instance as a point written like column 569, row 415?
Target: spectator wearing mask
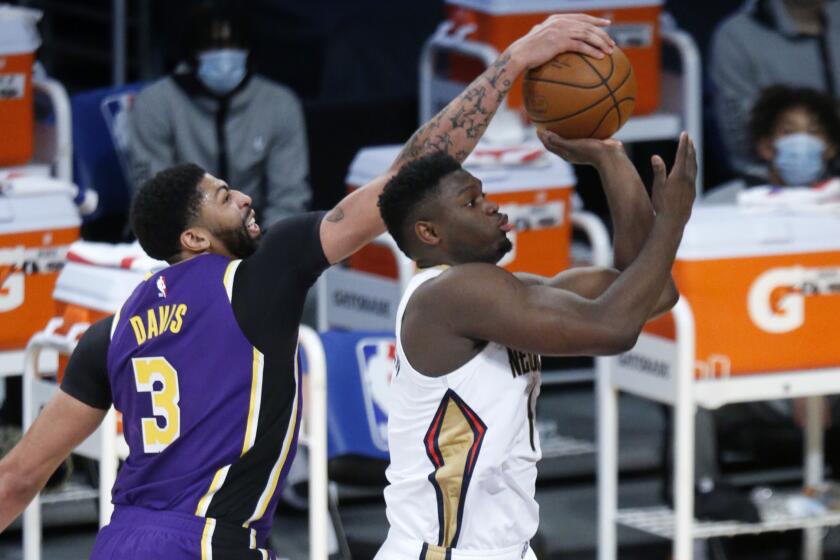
column 766, row 43
column 795, row 133
column 217, row 113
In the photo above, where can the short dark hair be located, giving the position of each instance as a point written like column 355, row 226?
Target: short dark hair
column 209, row 20
column 415, row 183
column 776, row 100
column 163, row 208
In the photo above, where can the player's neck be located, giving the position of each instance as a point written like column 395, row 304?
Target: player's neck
column 430, row 262
column 808, row 19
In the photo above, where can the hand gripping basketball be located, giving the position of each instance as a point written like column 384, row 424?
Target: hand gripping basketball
column 581, row 151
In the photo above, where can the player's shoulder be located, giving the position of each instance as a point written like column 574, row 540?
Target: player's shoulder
column 289, row 230
column 289, row 245
column 464, row 283
column 99, row 333
column 478, row 271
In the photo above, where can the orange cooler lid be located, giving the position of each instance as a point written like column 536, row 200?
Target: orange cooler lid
column 549, row 172
column 505, row 7
column 729, row 231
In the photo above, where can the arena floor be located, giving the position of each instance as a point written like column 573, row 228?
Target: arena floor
column 566, row 494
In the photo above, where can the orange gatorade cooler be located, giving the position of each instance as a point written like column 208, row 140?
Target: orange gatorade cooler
column 96, row 280
column 36, row 229
column 536, row 196
column 764, row 289
column 18, row 41
column 635, row 28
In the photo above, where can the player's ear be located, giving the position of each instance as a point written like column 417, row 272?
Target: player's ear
column 195, row 240
column 427, row 232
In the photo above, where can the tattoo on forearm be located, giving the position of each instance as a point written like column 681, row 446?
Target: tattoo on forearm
column 465, row 117
column 335, row 215
column 497, row 70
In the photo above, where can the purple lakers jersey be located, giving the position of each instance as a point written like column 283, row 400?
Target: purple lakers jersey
column 204, row 439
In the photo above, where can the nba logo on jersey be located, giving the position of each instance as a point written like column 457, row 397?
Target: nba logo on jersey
column 161, row 286
column 376, row 369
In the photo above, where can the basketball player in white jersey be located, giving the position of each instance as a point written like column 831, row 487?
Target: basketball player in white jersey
column 470, row 334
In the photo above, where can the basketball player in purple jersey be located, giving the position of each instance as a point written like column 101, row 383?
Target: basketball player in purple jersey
column 201, row 358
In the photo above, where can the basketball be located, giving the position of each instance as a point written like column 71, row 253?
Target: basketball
column 577, row 96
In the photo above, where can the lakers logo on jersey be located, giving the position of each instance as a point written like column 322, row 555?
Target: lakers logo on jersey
column 452, row 443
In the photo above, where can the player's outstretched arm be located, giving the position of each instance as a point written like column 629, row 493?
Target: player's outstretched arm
column 457, row 128
column 591, row 281
column 629, row 203
column 485, row 302
column 630, row 207
column 63, row 424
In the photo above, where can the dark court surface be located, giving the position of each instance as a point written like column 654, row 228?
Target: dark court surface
column 566, row 493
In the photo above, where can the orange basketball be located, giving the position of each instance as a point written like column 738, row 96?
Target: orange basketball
column 577, row 96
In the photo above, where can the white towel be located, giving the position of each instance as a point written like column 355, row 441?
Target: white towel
column 824, row 196
column 128, row 256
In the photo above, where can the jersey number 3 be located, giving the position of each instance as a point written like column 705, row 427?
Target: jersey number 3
column 165, row 398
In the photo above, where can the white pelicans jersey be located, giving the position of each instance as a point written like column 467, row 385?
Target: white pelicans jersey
column 464, row 452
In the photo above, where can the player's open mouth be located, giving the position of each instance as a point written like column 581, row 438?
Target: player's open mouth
column 503, row 223
column 251, row 224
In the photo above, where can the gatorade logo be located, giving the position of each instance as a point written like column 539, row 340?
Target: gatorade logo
column 776, row 300
column 11, row 288
column 12, row 281
column 16, row 263
column 12, row 86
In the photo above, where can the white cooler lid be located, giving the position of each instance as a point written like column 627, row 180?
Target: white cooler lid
column 19, row 30
column 101, row 275
column 96, row 287
column 42, row 211
column 717, row 232
column 504, row 7
column 372, row 162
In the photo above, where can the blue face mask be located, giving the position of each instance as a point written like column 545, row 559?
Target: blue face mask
column 221, row 70
column 799, row 158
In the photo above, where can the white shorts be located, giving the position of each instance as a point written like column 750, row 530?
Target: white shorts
column 400, row 548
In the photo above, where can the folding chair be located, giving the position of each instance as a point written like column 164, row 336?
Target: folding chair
column 100, row 145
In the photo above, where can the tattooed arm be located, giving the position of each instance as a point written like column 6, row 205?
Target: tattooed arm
column 355, row 221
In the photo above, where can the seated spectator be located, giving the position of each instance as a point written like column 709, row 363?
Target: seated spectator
column 237, row 125
column 770, row 42
column 795, row 133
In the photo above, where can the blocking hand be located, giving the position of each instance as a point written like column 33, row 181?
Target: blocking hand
column 579, row 33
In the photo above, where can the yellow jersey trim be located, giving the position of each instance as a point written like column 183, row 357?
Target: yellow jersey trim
column 218, row 480
column 230, row 272
column 254, row 406
column 115, row 321
column 207, row 539
column 262, row 505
